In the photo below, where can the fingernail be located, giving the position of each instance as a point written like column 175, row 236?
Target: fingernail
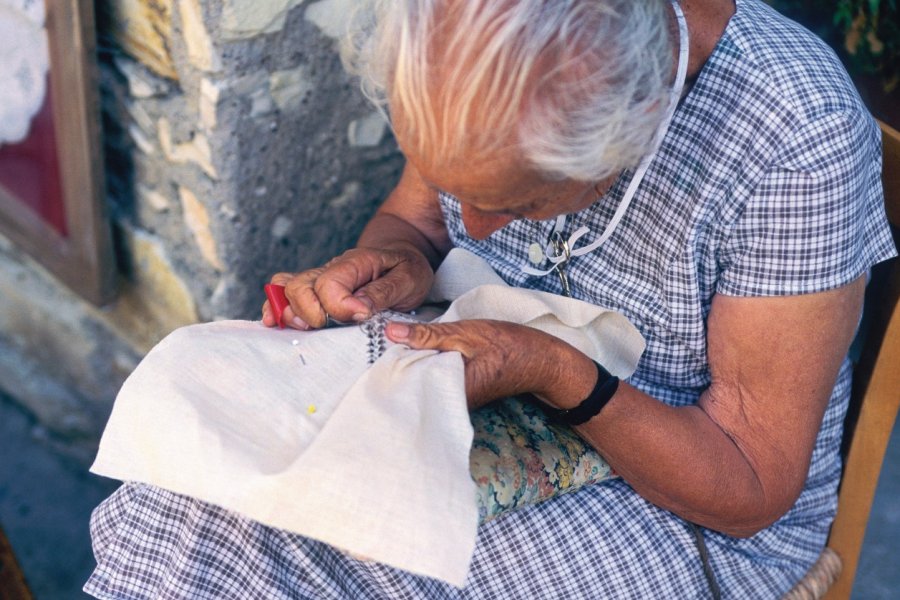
column 398, row 331
column 361, row 306
column 300, row 323
column 365, row 300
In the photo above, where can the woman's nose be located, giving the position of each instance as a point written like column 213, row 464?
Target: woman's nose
column 480, row 225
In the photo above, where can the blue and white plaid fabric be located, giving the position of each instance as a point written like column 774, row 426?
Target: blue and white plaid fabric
column 767, row 183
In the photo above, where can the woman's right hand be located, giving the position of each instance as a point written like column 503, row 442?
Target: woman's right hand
column 353, row 286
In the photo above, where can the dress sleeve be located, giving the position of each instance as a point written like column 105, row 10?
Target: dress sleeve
column 816, row 220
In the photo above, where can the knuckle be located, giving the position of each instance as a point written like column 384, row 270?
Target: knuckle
column 337, row 260
column 322, row 282
column 423, row 334
column 446, row 337
column 382, row 291
column 430, row 336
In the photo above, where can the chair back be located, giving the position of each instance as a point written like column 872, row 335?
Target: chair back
column 876, row 390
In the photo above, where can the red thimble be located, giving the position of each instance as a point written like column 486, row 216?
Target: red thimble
column 277, row 302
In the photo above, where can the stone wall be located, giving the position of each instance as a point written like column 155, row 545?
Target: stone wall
column 235, row 146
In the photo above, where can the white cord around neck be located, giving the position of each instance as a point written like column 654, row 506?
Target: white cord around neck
column 674, row 96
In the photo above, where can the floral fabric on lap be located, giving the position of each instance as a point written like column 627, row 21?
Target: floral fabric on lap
column 520, row 457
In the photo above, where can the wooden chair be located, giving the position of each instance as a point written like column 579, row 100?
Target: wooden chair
column 12, row 582
column 872, row 412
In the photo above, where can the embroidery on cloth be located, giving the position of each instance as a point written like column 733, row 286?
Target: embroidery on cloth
column 373, row 327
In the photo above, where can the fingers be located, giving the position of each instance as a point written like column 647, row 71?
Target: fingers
column 477, row 342
column 363, row 281
column 331, row 289
column 338, row 290
column 501, row 359
column 268, row 318
column 397, row 290
column 353, row 286
column 404, row 281
column 282, row 278
column 290, row 316
column 308, row 306
column 305, row 309
column 446, row 337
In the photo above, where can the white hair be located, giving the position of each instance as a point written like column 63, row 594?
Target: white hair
column 580, row 86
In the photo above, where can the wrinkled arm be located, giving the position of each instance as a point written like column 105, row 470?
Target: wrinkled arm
column 411, row 215
column 738, row 460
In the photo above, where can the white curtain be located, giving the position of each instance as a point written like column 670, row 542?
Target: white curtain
column 24, row 62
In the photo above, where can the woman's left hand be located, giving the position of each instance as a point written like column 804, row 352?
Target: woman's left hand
column 504, row 359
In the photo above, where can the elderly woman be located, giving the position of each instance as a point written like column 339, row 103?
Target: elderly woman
column 707, row 170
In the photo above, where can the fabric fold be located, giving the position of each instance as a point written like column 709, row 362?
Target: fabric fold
column 337, row 434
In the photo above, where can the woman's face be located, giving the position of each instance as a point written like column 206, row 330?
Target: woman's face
column 497, row 190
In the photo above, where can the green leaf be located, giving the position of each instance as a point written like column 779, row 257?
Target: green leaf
column 843, row 15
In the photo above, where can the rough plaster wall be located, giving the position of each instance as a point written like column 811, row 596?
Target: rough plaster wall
column 278, row 183
column 259, row 155
column 301, row 193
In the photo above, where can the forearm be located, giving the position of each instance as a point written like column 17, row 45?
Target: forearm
column 411, row 215
column 681, row 460
column 738, row 459
column 390, row 231
column 677, row 458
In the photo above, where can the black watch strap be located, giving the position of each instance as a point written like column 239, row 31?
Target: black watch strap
column 603, row 391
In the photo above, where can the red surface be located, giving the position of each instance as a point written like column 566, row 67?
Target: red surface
column 30, row 170
column 277, row 301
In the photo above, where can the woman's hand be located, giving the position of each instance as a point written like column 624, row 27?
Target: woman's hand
column 504, row 359
column 353, row 286
column 391, row 267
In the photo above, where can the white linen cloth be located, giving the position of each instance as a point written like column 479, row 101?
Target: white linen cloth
column 298, row 431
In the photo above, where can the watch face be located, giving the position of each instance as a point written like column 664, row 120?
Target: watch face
column 24, row 64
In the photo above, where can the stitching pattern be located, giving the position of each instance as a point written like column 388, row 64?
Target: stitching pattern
column 373, row 327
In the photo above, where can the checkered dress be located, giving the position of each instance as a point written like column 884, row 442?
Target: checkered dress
column 767, row 183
